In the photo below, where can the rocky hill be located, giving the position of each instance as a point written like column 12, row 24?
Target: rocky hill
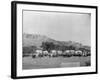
column 36, row 40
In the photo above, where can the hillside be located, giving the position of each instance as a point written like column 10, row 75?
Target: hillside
column 36, row 40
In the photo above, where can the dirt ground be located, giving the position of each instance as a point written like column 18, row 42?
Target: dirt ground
column 53, row 62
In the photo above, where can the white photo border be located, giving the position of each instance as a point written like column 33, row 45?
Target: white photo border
column 17, row 67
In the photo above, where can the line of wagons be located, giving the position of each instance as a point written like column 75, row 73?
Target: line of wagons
column 56, row 53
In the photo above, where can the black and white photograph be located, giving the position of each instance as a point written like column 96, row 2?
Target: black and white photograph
column 53, row 39
column 56, row 39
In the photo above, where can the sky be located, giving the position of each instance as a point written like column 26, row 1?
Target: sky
column 59, row 26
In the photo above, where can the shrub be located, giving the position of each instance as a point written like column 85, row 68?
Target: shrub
column 88, row 63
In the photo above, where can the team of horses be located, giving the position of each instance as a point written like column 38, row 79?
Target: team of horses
column 55, row 53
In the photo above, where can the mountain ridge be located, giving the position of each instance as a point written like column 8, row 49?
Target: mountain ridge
column 37, row 39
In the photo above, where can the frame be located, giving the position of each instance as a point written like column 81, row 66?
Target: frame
column 49, row 53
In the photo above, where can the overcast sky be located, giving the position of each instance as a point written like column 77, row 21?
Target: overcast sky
column 58, row 26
